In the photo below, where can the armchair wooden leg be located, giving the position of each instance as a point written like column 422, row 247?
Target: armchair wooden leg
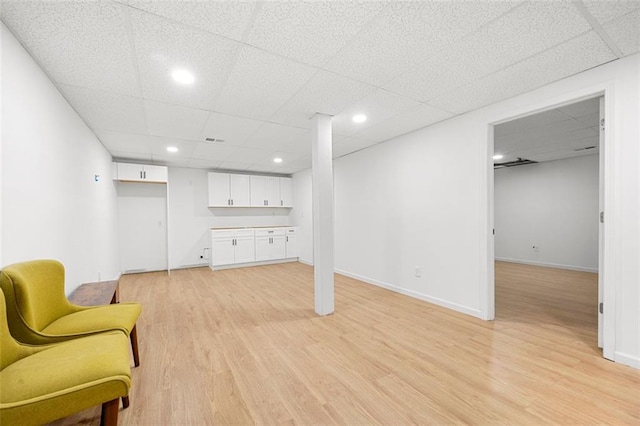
column 110, row 413
column 134, row 345
column 125, row 402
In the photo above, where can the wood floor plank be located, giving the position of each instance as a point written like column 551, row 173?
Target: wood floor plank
column 240, row 347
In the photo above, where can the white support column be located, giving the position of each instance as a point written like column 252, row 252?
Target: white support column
column 322, row 162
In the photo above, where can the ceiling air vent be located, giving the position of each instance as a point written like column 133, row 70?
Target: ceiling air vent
column 214, row 140
column 518, row 162
column 585, row 148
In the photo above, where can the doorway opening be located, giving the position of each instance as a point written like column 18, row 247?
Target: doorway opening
column 546, row 196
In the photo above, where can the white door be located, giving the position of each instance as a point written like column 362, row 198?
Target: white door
column 142, row 215
column 278, row 247
column 245, row 250
column 218, row 190
column 222, row 251
column 601, row 229
column 292, row 246
column 239, row 185
column 286, row 192
column 272, row 191
column 263, row 248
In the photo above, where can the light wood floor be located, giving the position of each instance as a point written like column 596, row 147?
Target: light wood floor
column 244, row 346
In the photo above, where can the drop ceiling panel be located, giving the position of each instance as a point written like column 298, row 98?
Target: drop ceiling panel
column 232, row 129
column 250, row 155
column 346, row 145
column 185, row 148
column 203, row 164
column 406, row 33
column 261, row 83
column 625, row 32
column 80, row 44
column 377, row 106
column 276, row 137
column 226, row 18
column 327, row 93
column 538, row 121
column 175, row 121
column 130, row 157
column 163, row 45
column 521, row 33
column 105, row 110
column 126, row 142
column 310, row 32
column 211, row 151
column 171, row 161
column 421, row 116
column 578, row 54
column 605, row 11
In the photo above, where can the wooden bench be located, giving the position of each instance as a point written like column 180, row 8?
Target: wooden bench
column 98, row 293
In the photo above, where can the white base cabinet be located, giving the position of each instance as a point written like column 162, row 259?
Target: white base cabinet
column 252, row 246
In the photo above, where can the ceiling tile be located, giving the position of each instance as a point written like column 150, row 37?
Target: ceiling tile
column 105, row 110
column 533, row 122
column 203, row 164
column 175, row 121
column 521, row 33
column 249, row 155
column 212, row 151
column 126, row 142
column 347, row 145
column 232, row 129
column 605, row 11
column 278, row 137
column 226, row 18
column 571, row 57
column 377, row 106
column 261, row 83
column 326, row 93
column 406, row 33
column 591, row 120
column 185, row 148
column 311, row 32
column 129, row 157
column 421, row 116
column 163, row 45
column 80, row 44
column 301, row 163
column 625, row 32
column 163, row 160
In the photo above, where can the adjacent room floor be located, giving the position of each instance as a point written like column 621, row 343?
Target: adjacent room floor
column 244, row 346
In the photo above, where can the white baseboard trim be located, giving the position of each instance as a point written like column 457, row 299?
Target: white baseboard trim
column 417, row 295
column 626, row 359
column 548, row 265
column 249, row 264
column 306, row 262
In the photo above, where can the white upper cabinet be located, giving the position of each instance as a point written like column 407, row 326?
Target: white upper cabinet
column 265, row 191
column 286, row 192
column 237, row 190
column 140, row 173
column 228, row 190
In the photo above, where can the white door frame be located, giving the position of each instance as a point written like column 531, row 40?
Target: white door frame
column 606, row 245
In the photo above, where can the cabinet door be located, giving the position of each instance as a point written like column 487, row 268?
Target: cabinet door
column 292, row 246
column 258, row 191
column 239, row 190
column 278, row 247
column 222, row 251
column 130, row 172
column 155, row 173
column 286, row 192
column 263, row 248
column 219, row 195
column 272, row 191
column 245, row 250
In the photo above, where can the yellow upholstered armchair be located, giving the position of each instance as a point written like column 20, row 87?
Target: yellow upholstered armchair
column 39, row 312
column 39, row 384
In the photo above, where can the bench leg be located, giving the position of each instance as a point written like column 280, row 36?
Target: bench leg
column 110, row 413
column 125, row 402
column 134, row 346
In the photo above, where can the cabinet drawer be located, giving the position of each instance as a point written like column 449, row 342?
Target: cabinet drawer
column 291, row 231
column 269, row 232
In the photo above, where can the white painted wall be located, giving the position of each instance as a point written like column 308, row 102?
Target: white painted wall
column 190, row 220
column 552, row 206
column 422, row 199
column 52, row 207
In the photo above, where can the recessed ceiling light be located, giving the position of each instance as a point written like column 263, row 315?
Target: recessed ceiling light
column 498, row 157
column 277, row 160
column 183, row 76
column 359, row 118
column 172, row 149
